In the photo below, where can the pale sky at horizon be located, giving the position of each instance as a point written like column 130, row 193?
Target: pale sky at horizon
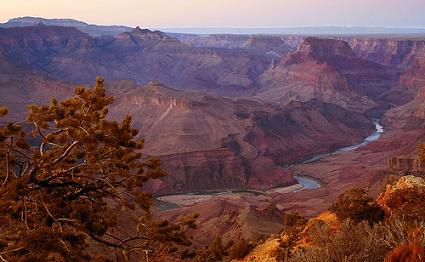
column 225, row 13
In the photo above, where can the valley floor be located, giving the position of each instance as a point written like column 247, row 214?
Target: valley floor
column 305, row 182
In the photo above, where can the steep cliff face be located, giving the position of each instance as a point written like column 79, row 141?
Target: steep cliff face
column 141, row 55
column 212, row 143
column 199, row 138
column 268, row 44
column 328, row 70
column 363, row 77
column 404, row 55
column 324, row 49
column 173, row 121
column 406, row 165
column 305, row 81
column 34, row 45
column 390, row 51
column 411, row 115
column 407, row 122
column 325, row 69
column 199, row 171
column 274, row 135
column 218, row 170
column 20, row 87
column 414, row 77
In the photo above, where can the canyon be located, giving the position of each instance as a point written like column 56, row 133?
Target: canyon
column 237, row 112
column 210, row 143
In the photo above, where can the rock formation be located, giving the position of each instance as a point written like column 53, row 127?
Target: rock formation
column 328, row 70
column 212, row 143
column 231, row 219
column 408, row 190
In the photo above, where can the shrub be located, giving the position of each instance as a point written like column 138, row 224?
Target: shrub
column 293, row 219
column 293, row 225
column 410, row 252
column 240, row 249
column 356, row 205
column 359, row 241
column 348, row 244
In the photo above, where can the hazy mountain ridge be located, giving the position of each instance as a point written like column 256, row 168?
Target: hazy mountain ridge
column 142, row 55
column 91, row 29
column 303, row 30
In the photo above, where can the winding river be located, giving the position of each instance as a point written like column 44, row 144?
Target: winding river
column 309, row 183
column 304, row 182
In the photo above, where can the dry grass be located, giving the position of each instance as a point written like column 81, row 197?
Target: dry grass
column 359, row 241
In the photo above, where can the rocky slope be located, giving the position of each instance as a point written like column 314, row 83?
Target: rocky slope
column 212, row 143
column 140, row 55
column 407, row 190
column 308, row 124
column 396, row 150
column 414, row 78
column 404, row 54
column 325, row 69
column 405, row 197
column 391, row 51
column 20, row 87
column 328, row 70
column 199, row 138
column 231, row 219
column 410, row 115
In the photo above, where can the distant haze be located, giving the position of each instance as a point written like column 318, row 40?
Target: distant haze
column 225, row 13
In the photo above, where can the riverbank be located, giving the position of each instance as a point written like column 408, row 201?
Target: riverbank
column 379, row 130
column 309, row 182
column 305, row 182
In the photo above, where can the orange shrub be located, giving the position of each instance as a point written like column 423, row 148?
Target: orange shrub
column 410, row 252
column 357, row 206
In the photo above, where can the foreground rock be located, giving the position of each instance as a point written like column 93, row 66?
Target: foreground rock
column 325, row 236
column 408, row 194
column 232, row 219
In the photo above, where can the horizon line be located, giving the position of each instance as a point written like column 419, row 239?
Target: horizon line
column 226, row 27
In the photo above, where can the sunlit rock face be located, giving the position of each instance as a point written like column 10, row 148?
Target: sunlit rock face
column 408, row 190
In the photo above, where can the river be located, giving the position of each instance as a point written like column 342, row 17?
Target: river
column 304, row 182
column 309, row 183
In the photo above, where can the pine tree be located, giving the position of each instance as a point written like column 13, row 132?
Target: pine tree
column 63, row 194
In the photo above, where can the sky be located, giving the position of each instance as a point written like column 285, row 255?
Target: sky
column 225, row 13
